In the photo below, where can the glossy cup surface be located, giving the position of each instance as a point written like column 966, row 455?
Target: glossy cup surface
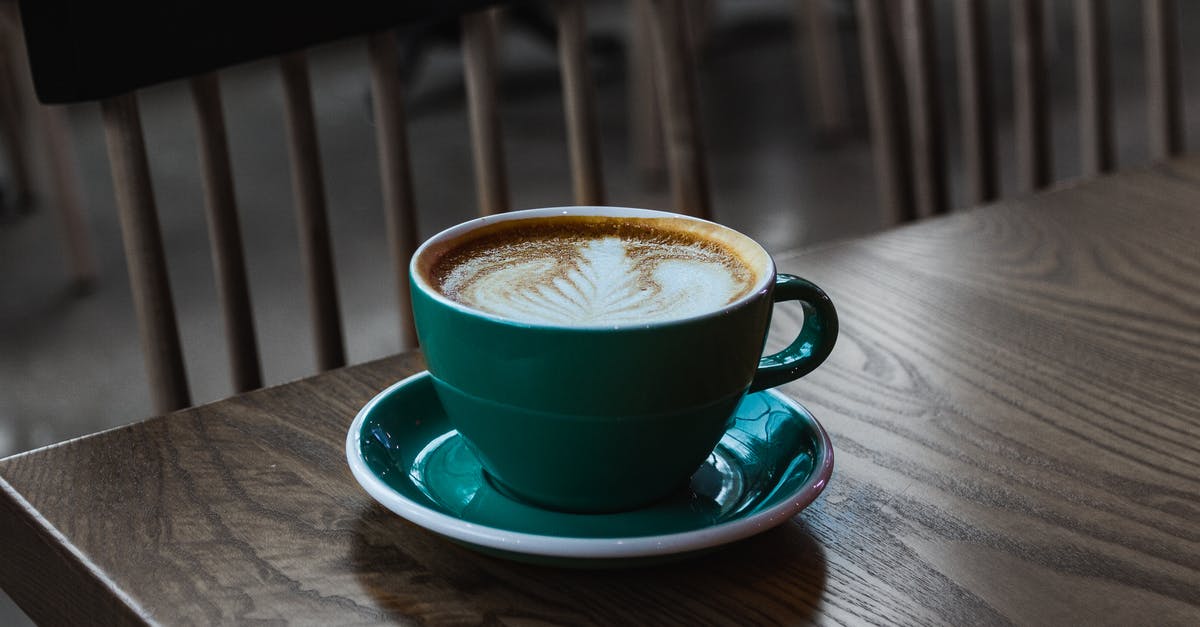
column 549, row 408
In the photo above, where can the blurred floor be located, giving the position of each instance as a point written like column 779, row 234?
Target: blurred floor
column 70, row 364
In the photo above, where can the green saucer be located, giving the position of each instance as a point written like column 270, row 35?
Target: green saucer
column 771, row 463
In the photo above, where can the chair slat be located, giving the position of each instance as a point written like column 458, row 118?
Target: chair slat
column 1164, row 104
column 48, row 126
column 225, row 234
column 645, row 120
column 885, row 107
column 977, row 112
column 1031, row 115
column 479, row 60
column 676, row 78
column 313, row 223
column 391, row 141
column 927, row 140
column 1095, row 91
column 144, row 254
column 583, row 137
column 821, row 58
column 64, row 176
column 14, row 122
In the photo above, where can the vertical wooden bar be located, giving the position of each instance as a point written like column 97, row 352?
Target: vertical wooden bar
column 144, row 254
column 821, row 57
column 927, row 140
column 645, row 119
column 479, row 60
column 1031, row 114
column 885, row 109
column 54, row 132
column 583, row 137
column 13, row 125
column 698, row 17
column 1095, row 93
column 225, row 234
column 975, row 101
column 677, row 96
column 64, row 176
column 391, row 141
column 308, row 185
column 1164, row 102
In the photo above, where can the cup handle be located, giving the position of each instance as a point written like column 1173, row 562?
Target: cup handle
column 811, row 346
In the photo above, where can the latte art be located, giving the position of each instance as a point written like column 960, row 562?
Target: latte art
column 594, row 277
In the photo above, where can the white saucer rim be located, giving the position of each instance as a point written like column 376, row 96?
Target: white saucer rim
column 586, row 548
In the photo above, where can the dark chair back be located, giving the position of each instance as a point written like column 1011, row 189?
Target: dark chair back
column 82, row 51
column 904, row 94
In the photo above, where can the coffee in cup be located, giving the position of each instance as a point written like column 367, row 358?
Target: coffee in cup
column 593, row 270
column 592, row 357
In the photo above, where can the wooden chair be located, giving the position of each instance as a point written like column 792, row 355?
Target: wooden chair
column 818, row 52
column 124, row 66
column 824, row 69
column 24, row 123
column 903, row 96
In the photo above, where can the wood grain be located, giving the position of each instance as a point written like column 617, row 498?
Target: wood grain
column 1012, row 402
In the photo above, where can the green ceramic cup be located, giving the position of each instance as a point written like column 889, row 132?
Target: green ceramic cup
column 603, row 419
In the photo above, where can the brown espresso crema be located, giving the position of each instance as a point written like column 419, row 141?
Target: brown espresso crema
column 595, row 270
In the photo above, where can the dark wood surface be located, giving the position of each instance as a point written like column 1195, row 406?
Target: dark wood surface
column 1014, row 403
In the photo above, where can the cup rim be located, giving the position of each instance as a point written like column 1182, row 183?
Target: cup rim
column 417, row 280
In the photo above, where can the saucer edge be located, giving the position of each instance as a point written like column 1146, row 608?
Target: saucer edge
column 554, row 547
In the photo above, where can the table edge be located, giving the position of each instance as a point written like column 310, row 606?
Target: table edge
column 84, row 594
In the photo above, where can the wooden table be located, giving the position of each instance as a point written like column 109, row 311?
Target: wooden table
column 1014, row 402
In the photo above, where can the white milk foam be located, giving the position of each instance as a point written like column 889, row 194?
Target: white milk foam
column 596, row 282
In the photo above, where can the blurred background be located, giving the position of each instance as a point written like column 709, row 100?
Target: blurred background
column 70, row 361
